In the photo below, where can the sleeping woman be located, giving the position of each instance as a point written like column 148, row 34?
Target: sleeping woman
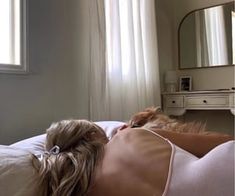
column 140, row 161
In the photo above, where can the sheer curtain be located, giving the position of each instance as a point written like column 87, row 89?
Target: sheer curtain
column 216, row 36
column 128, row 81
column 97, row 66
column 211, row 36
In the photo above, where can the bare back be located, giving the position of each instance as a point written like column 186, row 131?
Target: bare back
column 136, row 163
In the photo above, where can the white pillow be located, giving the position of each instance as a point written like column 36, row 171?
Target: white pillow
column 17, row 175
column 35, row 144
column 110, row 127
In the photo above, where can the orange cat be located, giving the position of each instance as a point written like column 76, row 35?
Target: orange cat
column 154, row 118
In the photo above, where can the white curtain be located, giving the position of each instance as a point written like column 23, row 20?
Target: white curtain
column 202, row 59
column 211, row 36
column 97, row 65
column 126, row 79
column 212, row 43
column 216, row 36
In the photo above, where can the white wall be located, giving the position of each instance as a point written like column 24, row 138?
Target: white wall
column 53, row 89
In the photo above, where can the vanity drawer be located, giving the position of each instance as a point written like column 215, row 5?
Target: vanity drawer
column 207, row 101
column 174, row 101
column 177, row 103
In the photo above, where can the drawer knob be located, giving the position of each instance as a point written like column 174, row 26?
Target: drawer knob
column 173, row 101
column 204, row 101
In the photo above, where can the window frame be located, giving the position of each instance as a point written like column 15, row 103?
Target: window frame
column 23, row 68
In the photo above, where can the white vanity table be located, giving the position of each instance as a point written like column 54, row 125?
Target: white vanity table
column 177, row 103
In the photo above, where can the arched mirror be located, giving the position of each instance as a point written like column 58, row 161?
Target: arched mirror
column 206, row 37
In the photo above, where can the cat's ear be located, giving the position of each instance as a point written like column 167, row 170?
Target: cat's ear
column 153, row 109
column 158, row 109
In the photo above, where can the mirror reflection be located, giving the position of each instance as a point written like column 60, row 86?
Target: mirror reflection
column 205, row 37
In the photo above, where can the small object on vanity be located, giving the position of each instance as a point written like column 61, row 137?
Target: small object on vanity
column 171, row 81
column 185, row 83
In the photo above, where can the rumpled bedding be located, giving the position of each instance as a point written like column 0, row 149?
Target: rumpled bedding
column 17, row 175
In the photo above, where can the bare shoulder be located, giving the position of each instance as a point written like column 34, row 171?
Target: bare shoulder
column 139, row 134
column 138, row 142
column 138, row 155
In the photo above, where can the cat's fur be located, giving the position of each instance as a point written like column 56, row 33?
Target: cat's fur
column 153, row 118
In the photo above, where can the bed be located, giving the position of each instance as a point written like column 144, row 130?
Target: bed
column 16, row 171
column 17, row 175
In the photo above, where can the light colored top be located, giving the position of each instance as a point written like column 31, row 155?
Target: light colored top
column 141, row 163
column 212, row 174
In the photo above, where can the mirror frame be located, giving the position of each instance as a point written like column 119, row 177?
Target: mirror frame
column 178, row 36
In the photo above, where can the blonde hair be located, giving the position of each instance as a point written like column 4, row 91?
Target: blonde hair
column 71, row 170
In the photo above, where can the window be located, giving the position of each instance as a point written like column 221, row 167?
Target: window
column 13, row 36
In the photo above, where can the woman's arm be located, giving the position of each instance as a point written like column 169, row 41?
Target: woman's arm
column 197, row 144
